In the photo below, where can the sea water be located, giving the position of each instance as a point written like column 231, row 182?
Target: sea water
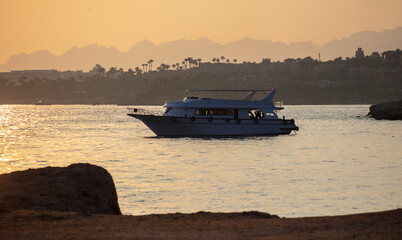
column 340, row 162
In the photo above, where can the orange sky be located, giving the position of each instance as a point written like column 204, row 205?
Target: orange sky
column 57, row 25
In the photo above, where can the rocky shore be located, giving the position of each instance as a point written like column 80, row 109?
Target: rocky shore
column 83, row 188
column 388, row 110
column 80, row 202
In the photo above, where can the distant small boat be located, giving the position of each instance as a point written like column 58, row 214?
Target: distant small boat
column 42, row 102
column 195, row 116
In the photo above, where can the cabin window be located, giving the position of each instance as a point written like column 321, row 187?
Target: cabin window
column 213, row 112
column 204, row 112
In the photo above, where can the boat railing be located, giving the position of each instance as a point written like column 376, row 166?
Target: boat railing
column 142, row 111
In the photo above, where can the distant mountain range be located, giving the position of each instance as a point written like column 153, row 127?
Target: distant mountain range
column 246, row 49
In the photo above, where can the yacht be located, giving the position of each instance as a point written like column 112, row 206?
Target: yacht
column 203, row 117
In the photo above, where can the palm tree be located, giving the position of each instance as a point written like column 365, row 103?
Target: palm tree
column 194, row 62
column 98, row 68
column 218, row 60
column 223, row 58
column 138, row 71
column 228, row 60
column 112, row 71
column 163, row 67
column 199, row 61
column 150, row 61
column 130, row 72
column 213, row 60
column 189, row 61
column 235, row 60
column 102, row 71
column 143, row 67
column 184, row 64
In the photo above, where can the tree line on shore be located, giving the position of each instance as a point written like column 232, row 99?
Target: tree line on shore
column 190, row 62
column 362, row 78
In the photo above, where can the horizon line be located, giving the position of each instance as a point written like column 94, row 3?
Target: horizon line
column 158, row 44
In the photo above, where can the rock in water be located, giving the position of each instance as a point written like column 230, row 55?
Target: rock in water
column 389, row 110
column 79, row 187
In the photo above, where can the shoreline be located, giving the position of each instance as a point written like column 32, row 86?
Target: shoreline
column 38, row 224
column 80, row 202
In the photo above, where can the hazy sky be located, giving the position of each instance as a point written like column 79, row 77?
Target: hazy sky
column 57, row 25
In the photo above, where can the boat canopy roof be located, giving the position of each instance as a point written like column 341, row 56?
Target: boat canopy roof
column 246, row 103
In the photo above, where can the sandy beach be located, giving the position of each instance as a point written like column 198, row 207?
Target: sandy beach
column 28, row 224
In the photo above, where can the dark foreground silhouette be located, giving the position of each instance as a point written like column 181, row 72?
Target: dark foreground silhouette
column 19, row 221
column 388, row 110
column 83, row 188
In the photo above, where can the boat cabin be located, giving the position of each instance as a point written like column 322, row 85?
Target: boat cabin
column 195, row 107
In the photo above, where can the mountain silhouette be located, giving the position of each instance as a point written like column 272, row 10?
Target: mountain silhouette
column 368, row 40
column 246, row 49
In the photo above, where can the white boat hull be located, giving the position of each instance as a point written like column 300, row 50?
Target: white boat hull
column 167, row 126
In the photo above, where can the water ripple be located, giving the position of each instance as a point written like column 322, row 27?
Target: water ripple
column 336, row 164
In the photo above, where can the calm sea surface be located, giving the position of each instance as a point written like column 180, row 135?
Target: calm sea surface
column 336, row 164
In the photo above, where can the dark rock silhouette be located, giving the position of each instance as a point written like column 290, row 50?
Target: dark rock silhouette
column 83, row 188
column 388, row 110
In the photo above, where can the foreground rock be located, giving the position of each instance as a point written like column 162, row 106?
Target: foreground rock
column 48, row 203
column 83, row 188
column 389, row 110
column 63, row 225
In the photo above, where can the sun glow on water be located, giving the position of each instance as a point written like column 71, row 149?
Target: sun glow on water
column 336, row 164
